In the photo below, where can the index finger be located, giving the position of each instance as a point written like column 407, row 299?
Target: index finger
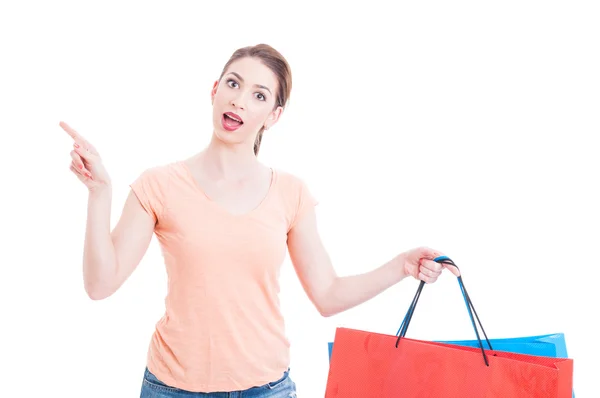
column 74, row 134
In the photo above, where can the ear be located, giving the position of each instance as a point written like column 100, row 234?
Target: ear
column 273, row 117
column 213, row 92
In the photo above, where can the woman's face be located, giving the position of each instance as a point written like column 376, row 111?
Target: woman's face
column 244, row 101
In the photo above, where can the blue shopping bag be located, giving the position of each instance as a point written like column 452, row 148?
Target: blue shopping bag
column 548, row 345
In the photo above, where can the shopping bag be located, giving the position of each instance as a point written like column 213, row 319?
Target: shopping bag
column 368, row 365
column 549, row 345
column 365, row 364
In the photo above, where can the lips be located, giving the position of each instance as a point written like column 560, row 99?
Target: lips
column 231, row 121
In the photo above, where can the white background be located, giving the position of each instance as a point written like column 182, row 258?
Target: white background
column 469, row 127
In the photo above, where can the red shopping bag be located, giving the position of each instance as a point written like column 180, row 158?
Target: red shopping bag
column 373, row 365
column 368, row 365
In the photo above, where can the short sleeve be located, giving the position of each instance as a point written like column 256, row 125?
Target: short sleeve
column 304, row 202
column 149, row 188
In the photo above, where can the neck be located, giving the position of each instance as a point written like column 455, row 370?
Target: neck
column 227, row 161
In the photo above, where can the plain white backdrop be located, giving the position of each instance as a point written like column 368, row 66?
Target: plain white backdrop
column 466, row 126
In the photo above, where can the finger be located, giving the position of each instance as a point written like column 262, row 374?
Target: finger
column 78, row 162
column 84, row 174
column 89, row 147
column 455, row 271
column 432, row 265
column 84, row 153
column 80, row 165
column 81, row 177
column 75, row 169
column 426, row 279
column 78, row 138
column 429, row 272
column 74, row 134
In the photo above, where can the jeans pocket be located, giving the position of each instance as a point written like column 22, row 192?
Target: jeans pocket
column 153, row 382
column 279, row 383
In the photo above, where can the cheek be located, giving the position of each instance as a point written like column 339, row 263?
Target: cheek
column 256, row 118
column 259, row 111
column 220, row 97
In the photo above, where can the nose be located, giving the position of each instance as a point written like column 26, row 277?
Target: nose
column 238, row 102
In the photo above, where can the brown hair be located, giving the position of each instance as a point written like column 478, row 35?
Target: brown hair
column 272, row 59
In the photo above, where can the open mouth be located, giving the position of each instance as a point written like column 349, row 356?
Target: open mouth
column 231, row 121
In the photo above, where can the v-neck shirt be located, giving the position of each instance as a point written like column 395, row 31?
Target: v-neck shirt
column 222, row 329
column 220, row 207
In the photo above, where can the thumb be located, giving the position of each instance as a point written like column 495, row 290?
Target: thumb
column 84, row 153
column 431, row 254
column 455, row 271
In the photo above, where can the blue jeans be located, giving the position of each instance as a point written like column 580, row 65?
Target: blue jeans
column 282, row 388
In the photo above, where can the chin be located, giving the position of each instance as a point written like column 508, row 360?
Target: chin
column 228, row 137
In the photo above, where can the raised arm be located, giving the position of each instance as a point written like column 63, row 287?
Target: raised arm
column 109, row 257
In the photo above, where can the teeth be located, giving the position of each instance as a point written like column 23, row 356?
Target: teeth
column 231, row 117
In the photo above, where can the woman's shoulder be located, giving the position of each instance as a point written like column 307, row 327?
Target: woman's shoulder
column 296, row 194
column 158, row 174
column 293, row 186
column 160, row 169
column 290, row 179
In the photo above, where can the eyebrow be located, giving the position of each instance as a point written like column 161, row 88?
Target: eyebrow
column 257, row 85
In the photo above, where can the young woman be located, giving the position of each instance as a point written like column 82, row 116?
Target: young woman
column 224, row 222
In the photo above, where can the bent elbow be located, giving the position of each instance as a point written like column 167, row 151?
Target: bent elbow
column 97, row 294
column 325, row 311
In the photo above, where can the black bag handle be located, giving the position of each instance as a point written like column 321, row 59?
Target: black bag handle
column 411, row 309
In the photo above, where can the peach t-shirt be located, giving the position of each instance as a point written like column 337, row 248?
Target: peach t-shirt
column 222, row 329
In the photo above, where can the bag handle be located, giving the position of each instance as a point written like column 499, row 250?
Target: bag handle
column 411, row 309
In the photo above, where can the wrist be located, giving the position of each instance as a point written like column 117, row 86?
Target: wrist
column 399, row 266
column 100, row 192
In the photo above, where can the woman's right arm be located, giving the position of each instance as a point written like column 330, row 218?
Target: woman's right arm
column 111, row 257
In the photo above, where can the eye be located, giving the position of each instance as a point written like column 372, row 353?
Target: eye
column 261, row 97
column 230, row 82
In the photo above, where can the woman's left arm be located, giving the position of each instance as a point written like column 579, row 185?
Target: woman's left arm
column 332, row 294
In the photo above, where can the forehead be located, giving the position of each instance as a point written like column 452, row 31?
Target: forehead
column 254, row 72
